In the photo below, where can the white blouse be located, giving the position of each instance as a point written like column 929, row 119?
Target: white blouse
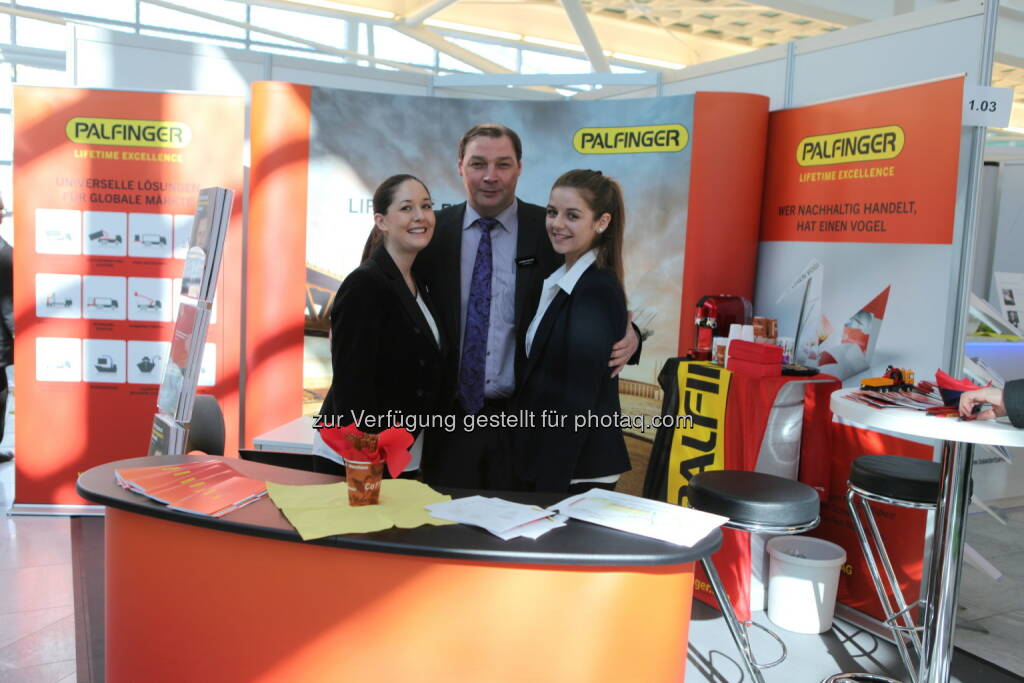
column 562, row 279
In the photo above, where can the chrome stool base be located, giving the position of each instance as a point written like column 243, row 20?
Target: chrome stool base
column 882, row 473
column 755, row 503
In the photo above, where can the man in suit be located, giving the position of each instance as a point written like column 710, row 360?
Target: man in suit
column 484, row 269
column 6, row 324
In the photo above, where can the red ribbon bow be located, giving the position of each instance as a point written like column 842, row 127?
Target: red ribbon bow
column 391, row 446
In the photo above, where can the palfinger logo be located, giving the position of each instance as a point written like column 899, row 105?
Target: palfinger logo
column 868, row 144
column 128, row 132
column 669, row 137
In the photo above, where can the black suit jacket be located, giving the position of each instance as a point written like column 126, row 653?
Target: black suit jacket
column 567, row 372
column 383, row 353
column 1013, row 401
column 6, row 312
column 439, row 266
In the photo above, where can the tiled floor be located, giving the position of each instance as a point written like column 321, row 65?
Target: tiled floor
column 37, row 604
column 996, row 606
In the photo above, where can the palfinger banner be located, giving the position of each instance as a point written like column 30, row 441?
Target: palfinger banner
column 698, row 440
column 690, row 167
column 105, row 188
column 858, row 264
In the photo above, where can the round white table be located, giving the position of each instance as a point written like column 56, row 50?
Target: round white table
column 958, row 437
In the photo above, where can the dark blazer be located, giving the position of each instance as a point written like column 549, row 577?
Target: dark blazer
column 1013, row 401
column 6, row 317
column 383, row 353
column 567, row 372
column 439, row 266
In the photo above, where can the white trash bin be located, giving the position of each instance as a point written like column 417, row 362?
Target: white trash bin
column 802, row 582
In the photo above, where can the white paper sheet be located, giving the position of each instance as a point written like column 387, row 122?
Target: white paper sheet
column 493, row 514
column 663, row 521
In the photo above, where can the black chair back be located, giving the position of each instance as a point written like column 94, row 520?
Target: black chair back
column 206, row 432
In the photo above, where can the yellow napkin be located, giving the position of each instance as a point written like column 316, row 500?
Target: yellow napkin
column 320, row 510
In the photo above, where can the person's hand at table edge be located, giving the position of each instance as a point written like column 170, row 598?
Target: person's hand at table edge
column 973, row 400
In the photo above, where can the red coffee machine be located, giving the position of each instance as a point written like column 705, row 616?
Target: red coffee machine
column 714, row 315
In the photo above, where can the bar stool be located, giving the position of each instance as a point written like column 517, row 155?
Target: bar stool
column 860, row 678
column 901, row 482
column 753, row 502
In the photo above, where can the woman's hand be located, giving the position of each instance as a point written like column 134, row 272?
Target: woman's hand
column 969, row 400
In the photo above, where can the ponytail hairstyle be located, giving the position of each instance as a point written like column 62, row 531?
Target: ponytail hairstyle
column 603, row 196
column 383, row 196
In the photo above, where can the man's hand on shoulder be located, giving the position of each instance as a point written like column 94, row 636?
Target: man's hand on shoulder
column 624, row 349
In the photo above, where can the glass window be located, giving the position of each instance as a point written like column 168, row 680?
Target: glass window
column 544, row 63
column 121, row 10
column 5, row 27
column 6, row 94
column 31, row 75
column 273, row 40
column 6, row 137
column 448, row 63
column 314, row 27
column 398, row 47
column 44, row 34
column 503, row 55
column 169, row 18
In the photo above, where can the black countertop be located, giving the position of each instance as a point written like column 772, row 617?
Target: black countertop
column 577, row 543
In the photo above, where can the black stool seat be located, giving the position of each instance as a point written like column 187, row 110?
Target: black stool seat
column 898, row 477
column 754, row 498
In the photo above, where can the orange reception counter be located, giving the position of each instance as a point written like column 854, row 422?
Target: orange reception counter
column 243, row 598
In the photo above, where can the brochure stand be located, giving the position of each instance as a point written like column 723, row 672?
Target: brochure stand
column 198, row 283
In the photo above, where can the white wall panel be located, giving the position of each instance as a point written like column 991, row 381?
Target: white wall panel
column 889, row 61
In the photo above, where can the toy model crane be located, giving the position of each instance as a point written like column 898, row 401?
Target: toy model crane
column 893, row 379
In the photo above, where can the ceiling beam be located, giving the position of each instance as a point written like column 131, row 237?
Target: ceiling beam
column 437, row 42
column 425, row 11
column 327, row 49
column 451, row 49
column 585, row 32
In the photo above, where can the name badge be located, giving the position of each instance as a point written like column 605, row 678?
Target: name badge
column 526, row 261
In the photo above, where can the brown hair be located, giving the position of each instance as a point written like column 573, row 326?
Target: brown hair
column 491, row 130
column 603, row 196
column 383, row 196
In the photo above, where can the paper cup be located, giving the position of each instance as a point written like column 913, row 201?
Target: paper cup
column 364, row 480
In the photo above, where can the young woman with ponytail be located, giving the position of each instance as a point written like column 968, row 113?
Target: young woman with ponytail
column 580, row 316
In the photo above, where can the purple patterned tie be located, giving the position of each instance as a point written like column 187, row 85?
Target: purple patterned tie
column 478, row 318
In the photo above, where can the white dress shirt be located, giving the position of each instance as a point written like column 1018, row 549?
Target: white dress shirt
column 499, row 364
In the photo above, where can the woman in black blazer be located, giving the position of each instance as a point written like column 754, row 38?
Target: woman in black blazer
column 386, row 349
column 575, row 442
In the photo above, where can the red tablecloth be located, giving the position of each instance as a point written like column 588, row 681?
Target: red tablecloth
column 748, row 406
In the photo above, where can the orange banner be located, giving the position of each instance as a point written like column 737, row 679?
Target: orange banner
column 105, row 187
column 863, row 169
